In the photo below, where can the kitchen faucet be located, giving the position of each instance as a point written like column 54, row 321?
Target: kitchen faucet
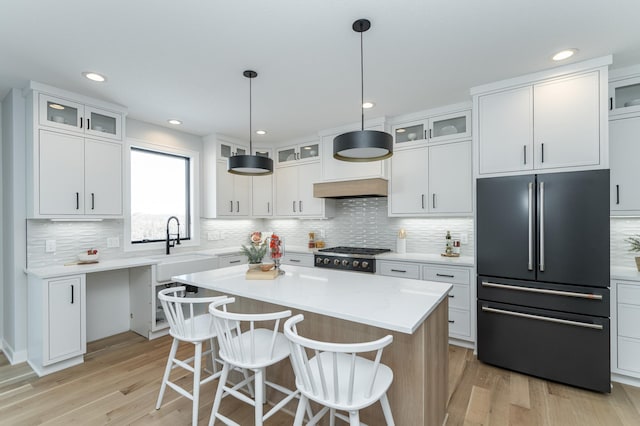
column 177, row 240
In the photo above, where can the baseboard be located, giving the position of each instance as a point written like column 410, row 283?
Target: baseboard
column 14, row 357
column 48, row 369
column 462, row 343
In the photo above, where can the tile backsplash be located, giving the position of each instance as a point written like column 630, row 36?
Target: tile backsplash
column 622, row 228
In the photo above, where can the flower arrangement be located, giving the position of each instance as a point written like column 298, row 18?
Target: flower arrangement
column 257, row 249
column 275, row 246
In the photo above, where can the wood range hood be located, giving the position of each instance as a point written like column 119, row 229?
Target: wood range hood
column 360, row 188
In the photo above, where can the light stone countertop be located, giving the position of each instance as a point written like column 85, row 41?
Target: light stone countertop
column 102, row 265
column 429, row 258
column 622, row 273
column 396, row 304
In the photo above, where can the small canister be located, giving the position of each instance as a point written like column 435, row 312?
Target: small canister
column 456, row 246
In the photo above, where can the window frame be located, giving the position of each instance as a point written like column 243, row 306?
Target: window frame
column 193, row 208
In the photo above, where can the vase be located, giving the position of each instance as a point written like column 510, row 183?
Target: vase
column 276, row 251
column 638, row 262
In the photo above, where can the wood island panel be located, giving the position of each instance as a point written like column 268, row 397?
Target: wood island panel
column 418, row 394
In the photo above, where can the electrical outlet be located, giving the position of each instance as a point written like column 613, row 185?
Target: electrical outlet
column 464, row 238
column 50, row 246
column 321, row 234
column 113, row 242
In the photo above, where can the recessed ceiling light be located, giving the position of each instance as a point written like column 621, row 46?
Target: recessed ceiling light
column 400, row 130
column 56, row 106
column 564, row 54
column 94, row 76
column 367, row 105
column 261, row 132
column 174, row 121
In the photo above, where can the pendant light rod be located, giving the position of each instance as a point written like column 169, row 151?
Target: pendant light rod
column 361, row 73
column 250, row 75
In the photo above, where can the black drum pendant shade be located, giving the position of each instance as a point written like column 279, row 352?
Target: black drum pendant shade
column 362, row 145
column 250, row 165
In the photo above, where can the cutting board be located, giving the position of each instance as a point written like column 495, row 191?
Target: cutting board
column 257, row 274
column 81, row 262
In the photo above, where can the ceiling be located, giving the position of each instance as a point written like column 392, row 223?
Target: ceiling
column 184, row 59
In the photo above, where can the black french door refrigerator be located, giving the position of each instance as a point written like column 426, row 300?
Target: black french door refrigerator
column 543, row 276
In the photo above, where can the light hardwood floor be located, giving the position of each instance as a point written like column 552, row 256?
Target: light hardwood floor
column 119, row 381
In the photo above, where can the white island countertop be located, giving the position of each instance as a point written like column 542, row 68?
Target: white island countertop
column 396, row 304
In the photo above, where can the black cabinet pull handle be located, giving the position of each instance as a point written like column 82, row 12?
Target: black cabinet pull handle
column 422, row 198
column 237, row 206
column 294, row 206
column 234, row 261
column 77, row 201
column 81, row 122
column 542, row 153
column 430, row 134
column 88, row 124
column 451, row 321
column 398, row 270
column 525, row 154
column 230, row 206
column 445, row 275
column 268, row 207
column 72, row 294
column 451, row 296
column 294, row 260
column 617, row 194
column 300, row 206
column 611, row 104
column 93, row 201
column 433, row 200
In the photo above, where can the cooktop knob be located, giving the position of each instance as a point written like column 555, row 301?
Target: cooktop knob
column 365, row 264
column 356, row 263
column 326, row 261
column 345, row 263
column 336, row 262
column 318, row 260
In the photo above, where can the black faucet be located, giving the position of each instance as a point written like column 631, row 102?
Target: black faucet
column 177, row 240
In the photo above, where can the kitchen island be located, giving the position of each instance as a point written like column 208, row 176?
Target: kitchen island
column 344, row 306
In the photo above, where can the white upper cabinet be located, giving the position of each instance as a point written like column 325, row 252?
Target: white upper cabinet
column 262, row 189
column 624, row 139
column 293, row 154
column 437, row 128
column 233, row 193
column 76, row 117
column 566, row 127
column 432, row 180
column 505, row 131
column 103, row 178
column 554, row 120
column 294, row 192
column 450, row 178
column 624, row 96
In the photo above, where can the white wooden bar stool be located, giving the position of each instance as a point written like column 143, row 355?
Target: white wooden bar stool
column 187, row 326
column 254, row 349
column 337, row 378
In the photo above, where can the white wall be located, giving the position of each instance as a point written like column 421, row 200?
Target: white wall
column 14, row 233
column 1, row 239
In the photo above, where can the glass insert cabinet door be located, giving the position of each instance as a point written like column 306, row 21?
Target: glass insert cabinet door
column 450, row 126
column 410, row 132
column 227, row 150
column 286, row 155
column 309, row 151
column 103, row 123
column 61, row 113
column 625, row 95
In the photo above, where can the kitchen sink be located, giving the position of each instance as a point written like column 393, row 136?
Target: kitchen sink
column 178, row 264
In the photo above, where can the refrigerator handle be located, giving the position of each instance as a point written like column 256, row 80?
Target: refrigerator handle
column 531, row 226
column 541, row 226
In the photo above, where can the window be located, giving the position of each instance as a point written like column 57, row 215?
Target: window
column 160, row 188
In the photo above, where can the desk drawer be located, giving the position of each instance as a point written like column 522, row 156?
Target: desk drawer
column 446, row 274
column 399, row 269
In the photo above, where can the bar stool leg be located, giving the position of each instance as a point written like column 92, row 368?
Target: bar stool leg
column 332, row 417
column 354, row 418
column 216, row 402
column 197, row 367
column 259, row 389
column 302, row 405
column 167, row 371
column 386, row 409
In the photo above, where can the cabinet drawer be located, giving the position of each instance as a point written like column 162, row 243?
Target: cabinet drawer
column 459, row 322
column 298, row 259
column 629, row 354
column 628, row 320
column 231, row 260
column 399, row 269
column 446, row 274
column 459, row 297
column 629, row 294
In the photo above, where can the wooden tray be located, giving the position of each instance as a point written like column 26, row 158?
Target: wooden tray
column 450, row 255
column 257, row 274
column 81, row 262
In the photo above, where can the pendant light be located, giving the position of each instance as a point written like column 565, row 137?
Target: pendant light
column 362, row 145
column 250, row 165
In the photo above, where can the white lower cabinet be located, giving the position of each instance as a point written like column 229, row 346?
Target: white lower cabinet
column 625, row 333
column 461, row 323
column 297, row 259
column 56, row 323
column 231, row 260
